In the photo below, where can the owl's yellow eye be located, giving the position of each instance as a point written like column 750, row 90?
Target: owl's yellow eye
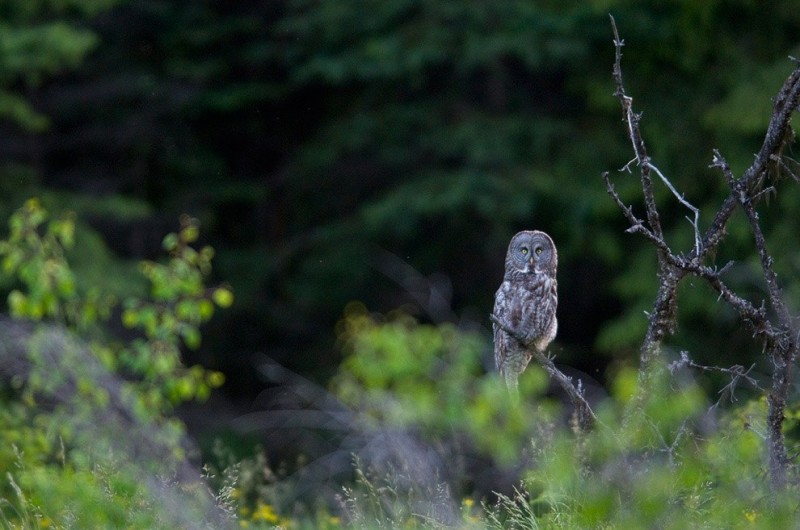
column 524, row 250
column 538, row 250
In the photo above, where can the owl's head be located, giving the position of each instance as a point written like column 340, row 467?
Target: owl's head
column 532, row 251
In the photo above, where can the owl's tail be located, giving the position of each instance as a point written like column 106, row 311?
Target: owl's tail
column 511, row 381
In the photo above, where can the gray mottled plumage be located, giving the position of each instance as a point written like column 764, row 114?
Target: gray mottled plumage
column 525, row 303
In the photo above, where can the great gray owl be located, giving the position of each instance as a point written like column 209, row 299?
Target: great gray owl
column 525, row 303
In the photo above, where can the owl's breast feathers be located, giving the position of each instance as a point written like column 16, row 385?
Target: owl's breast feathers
column 527, row 304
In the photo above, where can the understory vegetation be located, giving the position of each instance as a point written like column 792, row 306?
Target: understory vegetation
column 82, row 448
column 89, row 441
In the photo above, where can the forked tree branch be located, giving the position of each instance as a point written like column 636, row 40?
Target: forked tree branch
column 662, row 320
column 781, row 341
column 778, row 333
column 785, row 104
column 635, row 136
column 737, row 374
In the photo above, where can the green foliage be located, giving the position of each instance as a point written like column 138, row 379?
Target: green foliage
column 678, row 463
column 401, row 374
column 179, row 301
column 33, row 49
column 668, row 469
column 69, row 418
column 35, row 254
column 422, row 127
column 39, row 263
column 179, row 304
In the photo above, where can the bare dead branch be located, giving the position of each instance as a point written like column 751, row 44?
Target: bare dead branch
column 642, row 159
column 783, row 354
column 637, row 225
column 756, row 317
column 775, row 296
column 785, row 103
column 634, row 135
column 585, row 415
column 662, row 320
column 696, row 221
column 781, row 343
column 737, row 374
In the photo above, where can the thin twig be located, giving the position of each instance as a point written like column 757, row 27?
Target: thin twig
column 736, row 373
column 669, row 449
column 637, row 225
column 785, row 104
column 696, row 222
column 634, row 135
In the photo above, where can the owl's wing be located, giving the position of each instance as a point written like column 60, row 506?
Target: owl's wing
column 503, row 301
column 499, row 347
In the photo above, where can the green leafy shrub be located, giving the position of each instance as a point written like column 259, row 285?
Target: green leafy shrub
column 679, row 463
column 402, row 374
column 179, row 304
column 84, row 447
column 87, row 440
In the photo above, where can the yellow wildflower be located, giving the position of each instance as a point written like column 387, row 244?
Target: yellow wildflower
column 265, row 512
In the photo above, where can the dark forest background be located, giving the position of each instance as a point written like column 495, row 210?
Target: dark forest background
column 381, row 151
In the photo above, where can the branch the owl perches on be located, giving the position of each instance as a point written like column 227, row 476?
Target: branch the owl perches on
column 583, row 411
